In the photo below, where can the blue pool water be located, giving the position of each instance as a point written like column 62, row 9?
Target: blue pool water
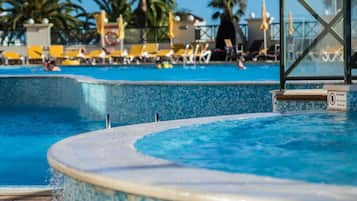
column 319, row 148
column 254, row 72
column 26, row 135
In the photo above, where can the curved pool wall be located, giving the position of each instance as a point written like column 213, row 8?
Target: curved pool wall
column 116, row 171
column 137, row 102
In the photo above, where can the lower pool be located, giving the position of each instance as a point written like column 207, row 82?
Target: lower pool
column 319, row 147
column 25, row 136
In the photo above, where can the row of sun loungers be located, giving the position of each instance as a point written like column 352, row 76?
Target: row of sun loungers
column 256, row 52
column 149, row 52
column 34, row 54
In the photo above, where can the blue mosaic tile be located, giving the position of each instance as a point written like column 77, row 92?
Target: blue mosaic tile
column 75, row 190
column 297, row 106
column 352, row 101
column 130, row 104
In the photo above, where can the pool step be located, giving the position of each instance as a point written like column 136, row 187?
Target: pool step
column 299, row 100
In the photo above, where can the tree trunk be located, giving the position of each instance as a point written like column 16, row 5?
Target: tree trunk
column 141, row 19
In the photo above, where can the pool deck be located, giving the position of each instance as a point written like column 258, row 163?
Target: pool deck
column 27, row 198
column 108, row 159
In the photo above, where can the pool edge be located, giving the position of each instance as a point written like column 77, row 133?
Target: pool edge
column 189, row 194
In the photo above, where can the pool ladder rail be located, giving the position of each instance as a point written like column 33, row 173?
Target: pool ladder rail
column 108, row 123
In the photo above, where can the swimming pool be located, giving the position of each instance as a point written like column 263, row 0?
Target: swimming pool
column 117, row 170
column 320, row 150
column 26, row 134
column 212, row 72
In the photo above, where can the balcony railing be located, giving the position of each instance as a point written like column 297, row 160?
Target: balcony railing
column 306, row 30
column 75, row 37
column 89, row 37
column 209, row 32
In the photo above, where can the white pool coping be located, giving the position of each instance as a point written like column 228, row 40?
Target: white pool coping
column 108, row 159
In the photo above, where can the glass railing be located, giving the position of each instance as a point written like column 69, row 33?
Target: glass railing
column 314, row 47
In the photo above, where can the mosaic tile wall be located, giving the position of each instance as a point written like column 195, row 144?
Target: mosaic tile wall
column 297, row 106
column 39, row 92
column 129, row 104
column 78, row 191
column 352, row 101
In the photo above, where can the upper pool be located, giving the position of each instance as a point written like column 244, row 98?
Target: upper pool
column 212, row 72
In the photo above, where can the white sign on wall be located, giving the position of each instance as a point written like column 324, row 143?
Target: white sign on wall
column 337, row 100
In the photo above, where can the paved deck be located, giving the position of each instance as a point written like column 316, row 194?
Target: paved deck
column 26, row 198
column 25, row 194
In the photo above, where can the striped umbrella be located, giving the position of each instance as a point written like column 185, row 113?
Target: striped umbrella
column 121, row 31
column 291, row 24
column 170, row 32
column 100, row 23
column 264, row 26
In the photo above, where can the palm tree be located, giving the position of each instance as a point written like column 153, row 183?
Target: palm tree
column 229, row 12
column 62, row 14
column 151, row 13
column 114, row 8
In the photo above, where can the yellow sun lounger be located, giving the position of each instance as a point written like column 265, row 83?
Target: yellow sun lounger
column 56, row 52
column 184, row 54
column 164, row 53
column 119, row 55
column 95, row 55
column 150, row 50
column 71, row 62
column 35, row 53
column 12, row 57
column 135, row 52
column 72, row 54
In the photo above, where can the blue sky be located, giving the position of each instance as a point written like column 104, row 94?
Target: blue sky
column 200, row 8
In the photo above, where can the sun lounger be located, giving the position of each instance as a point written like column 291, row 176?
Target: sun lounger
column 97, row 55
column 164, row 53
column 254, row 50
column 72, row 54
column 271, row 54
column 56, row 52
column 35, row 54
column 150, row 50
column 229, row 49
column 119, row 55
column 70, row 62
column 79, row 54
column 184, row 54
column 136, row 52
column 202, row 54
column 332, row 54
column 12, row 57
